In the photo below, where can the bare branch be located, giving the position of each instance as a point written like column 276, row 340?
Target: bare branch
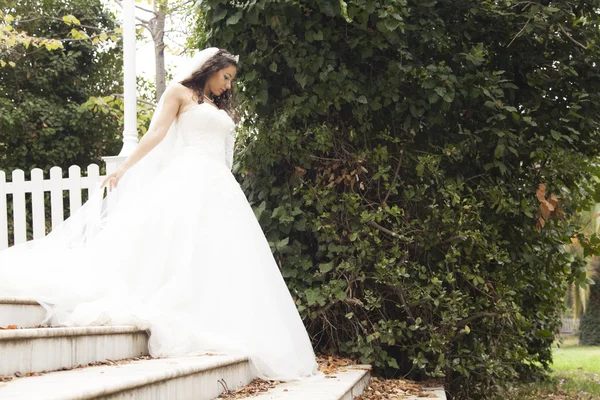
column 454, row 238
column 145, row 26
column 476, row 316
column 571, row 37
column 177, row 30
column 179, row 7
column 385, row 199
column 136, row 6
column 519, row 34
column 137, row 99
column 146, row 10
column 381, row 228
column 400, row 292
column 142, row 20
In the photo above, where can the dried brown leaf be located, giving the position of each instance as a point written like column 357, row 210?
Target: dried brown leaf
column 300, row 171
column 546, row 208
column 541, row 192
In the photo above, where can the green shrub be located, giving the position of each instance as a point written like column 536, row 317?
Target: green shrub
column 416, row 166
column 589, row 327
column 41, row 121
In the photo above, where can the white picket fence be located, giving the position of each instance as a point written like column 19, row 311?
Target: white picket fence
column 569, row 326
column 16, row 190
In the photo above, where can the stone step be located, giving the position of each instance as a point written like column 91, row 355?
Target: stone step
column 343, row 385
column 197, row 378
column 50, row 349
column 20, row 312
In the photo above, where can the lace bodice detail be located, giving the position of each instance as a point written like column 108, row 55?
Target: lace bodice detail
column 208, row 131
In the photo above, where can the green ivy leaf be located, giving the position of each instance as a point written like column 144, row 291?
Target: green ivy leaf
column 218, row 15
column 326, row 267
column 235, row 18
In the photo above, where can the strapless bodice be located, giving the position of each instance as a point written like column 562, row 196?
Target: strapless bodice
column 207, row 131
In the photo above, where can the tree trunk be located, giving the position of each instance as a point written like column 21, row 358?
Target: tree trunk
column 157, row 25
column 589, row 327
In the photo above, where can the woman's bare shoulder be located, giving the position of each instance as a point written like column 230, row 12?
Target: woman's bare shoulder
column 178, row 91
column 180, row 94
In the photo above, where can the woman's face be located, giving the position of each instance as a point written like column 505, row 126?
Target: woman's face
column 221, row 80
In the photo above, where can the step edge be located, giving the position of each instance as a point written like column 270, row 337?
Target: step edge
column 283, row 389
column 366, row 369
column 19, row 301
column 166, row 376
column 53, row 332
column 139, row 381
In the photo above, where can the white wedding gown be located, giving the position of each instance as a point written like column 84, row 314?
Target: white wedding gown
column 183, row 257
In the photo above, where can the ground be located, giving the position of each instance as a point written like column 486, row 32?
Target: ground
column 575, row 376
column 379, row 389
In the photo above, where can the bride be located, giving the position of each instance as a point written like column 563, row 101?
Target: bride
column 175, row 247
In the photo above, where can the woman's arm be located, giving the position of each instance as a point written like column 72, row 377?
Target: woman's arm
column 174, row 97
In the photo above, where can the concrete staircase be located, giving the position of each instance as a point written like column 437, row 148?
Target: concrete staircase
column 20, row 312
column 53, row 354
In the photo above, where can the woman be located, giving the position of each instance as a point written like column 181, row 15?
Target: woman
column 175, row 248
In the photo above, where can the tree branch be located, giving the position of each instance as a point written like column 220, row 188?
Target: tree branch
column 84, row 39
column 136, row 6
column 45, row 17
column 453, row 238
column 176, row 30
column 400, row 293
column 519, row 34
column 381, row 228
column 142, row 20
column 179, row 7
column 385, row 199
column 473, row 317
column 571, row 37
column 137, row 99
column 147, row 26
column 349, row 300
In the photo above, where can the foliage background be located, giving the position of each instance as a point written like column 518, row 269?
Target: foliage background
column 417, row 167
column 42, row 123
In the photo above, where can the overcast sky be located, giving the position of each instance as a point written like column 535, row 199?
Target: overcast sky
column 145, row 50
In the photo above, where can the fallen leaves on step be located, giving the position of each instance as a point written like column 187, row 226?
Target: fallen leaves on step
column 18, row 375
column 4, row 328
column 330, row 364
column 393, row 389
column 254, row 388
column 80, row 366
column 378, row 389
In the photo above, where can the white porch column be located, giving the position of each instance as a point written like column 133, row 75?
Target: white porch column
column 130, row 135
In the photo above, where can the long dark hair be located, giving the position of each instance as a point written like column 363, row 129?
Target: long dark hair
column 196, row 82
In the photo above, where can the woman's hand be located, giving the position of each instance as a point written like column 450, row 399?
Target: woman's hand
column 112, row 180
column 172, row 99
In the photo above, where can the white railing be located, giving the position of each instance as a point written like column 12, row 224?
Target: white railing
column 37, row 187
column 569, row 326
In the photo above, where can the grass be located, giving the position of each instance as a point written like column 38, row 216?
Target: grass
column 570, row 356
column 576, row 375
